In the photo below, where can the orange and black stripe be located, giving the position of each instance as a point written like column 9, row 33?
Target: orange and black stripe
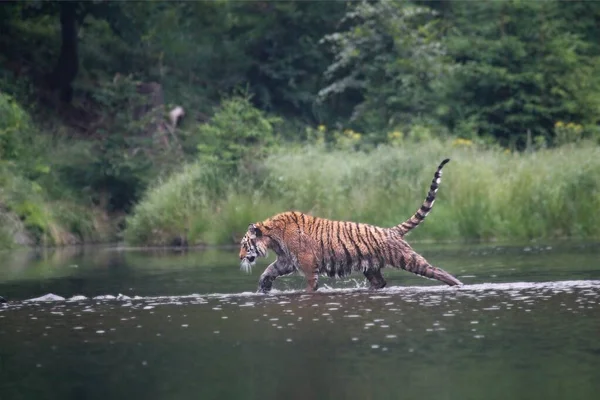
column 427, row 205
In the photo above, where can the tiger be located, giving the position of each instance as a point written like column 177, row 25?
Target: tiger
column 317, row 246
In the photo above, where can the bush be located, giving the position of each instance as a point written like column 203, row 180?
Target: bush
column 238, row 131
column 15, row 129
column 170, row 209
column 30, row 213
column 486, row 193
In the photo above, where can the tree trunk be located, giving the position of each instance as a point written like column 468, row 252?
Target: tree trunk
column 67, row 66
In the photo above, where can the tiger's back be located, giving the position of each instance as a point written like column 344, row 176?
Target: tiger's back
column 339, row 247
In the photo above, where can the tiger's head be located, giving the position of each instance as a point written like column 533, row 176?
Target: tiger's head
column 253, row 245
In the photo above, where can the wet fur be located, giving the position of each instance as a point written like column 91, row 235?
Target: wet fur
column 316, row 246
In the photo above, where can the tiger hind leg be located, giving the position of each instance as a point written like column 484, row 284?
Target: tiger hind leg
column 309, row 266
column 312, row 284
column 375, row 278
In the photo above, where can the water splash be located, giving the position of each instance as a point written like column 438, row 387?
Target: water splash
column 515, row 289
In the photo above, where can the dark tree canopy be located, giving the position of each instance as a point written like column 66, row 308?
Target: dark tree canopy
column 503, row 69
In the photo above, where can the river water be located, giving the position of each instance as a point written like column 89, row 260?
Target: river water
column 108, row 323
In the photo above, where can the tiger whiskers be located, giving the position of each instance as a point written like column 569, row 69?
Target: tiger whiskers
column 246, row 266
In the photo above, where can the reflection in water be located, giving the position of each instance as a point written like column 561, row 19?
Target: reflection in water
column 189, row 325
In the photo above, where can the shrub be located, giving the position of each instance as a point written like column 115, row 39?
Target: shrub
column 238, row 131
column 15, row 128
column 486, row 193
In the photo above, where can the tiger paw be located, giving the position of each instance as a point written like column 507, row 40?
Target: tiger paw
column 377, row 285
column 265, row 285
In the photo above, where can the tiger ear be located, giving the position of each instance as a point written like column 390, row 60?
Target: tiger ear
column 254, row 231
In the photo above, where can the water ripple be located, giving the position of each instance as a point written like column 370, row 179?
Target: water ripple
column 428, row 295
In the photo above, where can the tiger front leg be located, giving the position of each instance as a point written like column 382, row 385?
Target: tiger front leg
column 273, row 271
column 375, row 278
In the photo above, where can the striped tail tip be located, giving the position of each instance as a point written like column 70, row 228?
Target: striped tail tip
column 427, row 205
column 448, row 279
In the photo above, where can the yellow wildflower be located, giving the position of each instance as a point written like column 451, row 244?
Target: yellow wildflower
column 462, row 142
column 395, row 135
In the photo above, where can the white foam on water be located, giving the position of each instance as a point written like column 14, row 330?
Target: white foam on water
column 514, row 289
column 47, row 297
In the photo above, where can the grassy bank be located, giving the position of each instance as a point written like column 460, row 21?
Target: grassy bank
column 485, row 193
column 30, row 216
column 38, row 206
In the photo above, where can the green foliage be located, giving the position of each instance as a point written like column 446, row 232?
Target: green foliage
column 27, row 213
column 29, row 188
column 567, row 133
column 362, row 83
column 125, row 148
column 390, row 52
column 521, row 68
column 6, row 234
column 20, row 147
column 492, row 69
column 188, row 207
column 14, row 127
column 498, row 69
column 238, row 131
column 176, row 208
column 285, row 60
column 487, row 193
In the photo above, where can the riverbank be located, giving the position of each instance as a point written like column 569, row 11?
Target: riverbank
column 31, row 217
column 486, row 193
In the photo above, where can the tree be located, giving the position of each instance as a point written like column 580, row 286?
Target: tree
column 521, row 68
column 388, row 57
column 67, row 65
column 286, row 60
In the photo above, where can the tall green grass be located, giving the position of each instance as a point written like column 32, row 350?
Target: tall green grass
column 28, row 216
column 485, row 193
column 36, row 206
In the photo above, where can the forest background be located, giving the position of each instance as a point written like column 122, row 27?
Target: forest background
column 338, row 108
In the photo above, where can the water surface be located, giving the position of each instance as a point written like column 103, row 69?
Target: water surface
column 179, row 325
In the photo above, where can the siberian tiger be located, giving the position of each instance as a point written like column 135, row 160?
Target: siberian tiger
column 315, row 246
